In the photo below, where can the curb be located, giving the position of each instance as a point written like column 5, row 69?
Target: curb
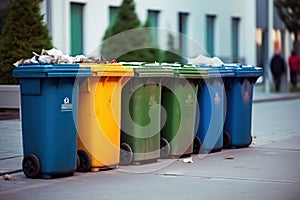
column 281, row 98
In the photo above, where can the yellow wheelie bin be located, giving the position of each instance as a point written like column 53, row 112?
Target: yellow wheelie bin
column 99, row 116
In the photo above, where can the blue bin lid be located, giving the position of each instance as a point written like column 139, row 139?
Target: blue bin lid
column 51, row 70
column 218, row 71
column 242, row 70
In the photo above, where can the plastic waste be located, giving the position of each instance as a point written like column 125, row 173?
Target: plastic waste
column 55, row 56
column 204, row 60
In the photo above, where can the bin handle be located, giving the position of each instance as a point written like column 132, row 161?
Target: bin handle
column 191, row 76
column 59, row 83
column 106, row 79
column 88, row 88
column 228, row 84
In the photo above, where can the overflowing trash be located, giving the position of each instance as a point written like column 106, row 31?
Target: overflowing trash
column 204, row 60
column 8, row 177
column 55, row 56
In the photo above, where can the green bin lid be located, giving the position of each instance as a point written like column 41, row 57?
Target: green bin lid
column 142, row 69
column 189, row 71
column 51, row 70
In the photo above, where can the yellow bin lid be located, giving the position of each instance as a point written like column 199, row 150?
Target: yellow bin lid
column 112, row 69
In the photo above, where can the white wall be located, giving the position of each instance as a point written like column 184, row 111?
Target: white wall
column 10, row 96
column 96, row 19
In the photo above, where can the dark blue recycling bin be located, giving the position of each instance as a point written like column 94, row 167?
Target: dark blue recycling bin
column 211, row 116
column 49, row 95
column 239, row 95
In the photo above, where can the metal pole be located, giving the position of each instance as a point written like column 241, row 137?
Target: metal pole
column 270, row 44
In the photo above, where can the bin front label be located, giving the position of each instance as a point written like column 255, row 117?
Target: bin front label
column 66, row 106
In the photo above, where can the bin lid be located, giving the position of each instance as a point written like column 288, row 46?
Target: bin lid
column 37, row 70
column 242, row 70
column 112, row 69
column 132, row 63
column 142, row 69
column 188, row 71
column 218, row 71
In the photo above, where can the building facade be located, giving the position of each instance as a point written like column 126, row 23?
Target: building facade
column 223, row 28
column 234, row 30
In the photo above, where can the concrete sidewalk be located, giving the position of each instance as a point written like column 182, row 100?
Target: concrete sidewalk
column 259, row 95
column 265, row 172
column 268, row 169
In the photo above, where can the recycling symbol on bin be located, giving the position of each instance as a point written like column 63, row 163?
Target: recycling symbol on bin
column 66, row 100
column 189, row 100
column 246, row 90
column 152, row 101
column 246, row 96
column 217, row 98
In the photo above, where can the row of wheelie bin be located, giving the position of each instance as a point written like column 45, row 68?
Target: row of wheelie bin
column 88, row 117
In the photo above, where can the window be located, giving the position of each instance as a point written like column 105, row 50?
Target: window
column 183, row 28
column 153, row 19
column 113, row 13
column 235, row 23
column 210, row 34
column 76, row 28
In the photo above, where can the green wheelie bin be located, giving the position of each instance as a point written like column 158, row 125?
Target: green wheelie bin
column 179, row 100
column 140, row 114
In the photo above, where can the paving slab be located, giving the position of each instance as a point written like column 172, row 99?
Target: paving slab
column 264, row 172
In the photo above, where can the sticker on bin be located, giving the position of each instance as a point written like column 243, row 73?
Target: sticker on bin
column 66, row 106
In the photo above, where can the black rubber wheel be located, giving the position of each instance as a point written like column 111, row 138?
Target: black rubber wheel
column 126, row 154
column 77, row 162
column 197, row 145
column 31, row 166
column 84, row 161
column 164, row 148
column 226, row 140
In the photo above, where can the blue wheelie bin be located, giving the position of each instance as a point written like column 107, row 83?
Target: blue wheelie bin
column 211, row 116
column 239, row 95
column 49, row 95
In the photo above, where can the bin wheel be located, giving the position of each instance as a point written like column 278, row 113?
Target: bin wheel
column 31, row 166
column 126, row 154
column 84, row 161
column 226, row 140
column 164, row 148
column 77, row 162
column 197, row 145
